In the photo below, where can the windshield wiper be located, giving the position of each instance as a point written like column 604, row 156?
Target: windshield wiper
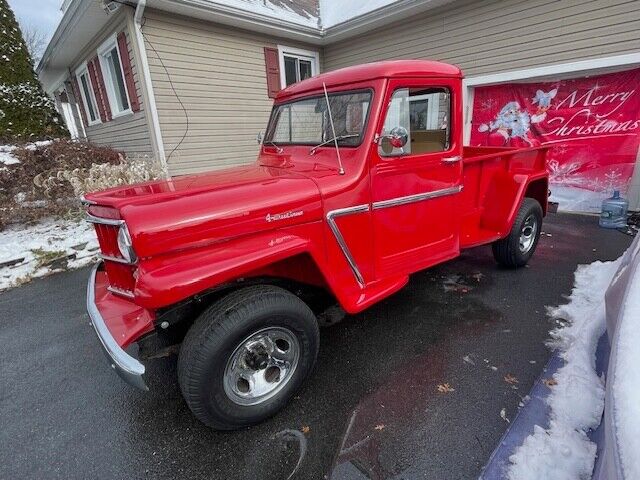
column 334, row 139
column 278, row 147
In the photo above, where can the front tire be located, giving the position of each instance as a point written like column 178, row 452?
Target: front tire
column 516, row 249
column 246, row 355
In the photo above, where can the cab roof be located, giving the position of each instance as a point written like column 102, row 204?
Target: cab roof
column 369, row 71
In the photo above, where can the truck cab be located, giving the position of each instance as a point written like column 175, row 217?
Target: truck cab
column 361, row 179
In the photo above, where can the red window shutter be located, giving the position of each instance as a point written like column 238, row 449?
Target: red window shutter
column 96, row 88
column 125, row 60
column 78, row 97
column 272, row 64
column 103, row 90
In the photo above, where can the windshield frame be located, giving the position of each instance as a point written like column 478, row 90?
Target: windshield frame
column 269, row 134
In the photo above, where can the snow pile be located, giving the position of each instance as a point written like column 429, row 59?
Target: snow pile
column 6, row 151
column 36, row 251
column 626, row 384
column 6, row 155
column 564, row 451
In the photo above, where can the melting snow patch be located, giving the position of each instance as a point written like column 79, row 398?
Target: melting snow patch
column 34, row 251
column 6, row 157
column 563, row 451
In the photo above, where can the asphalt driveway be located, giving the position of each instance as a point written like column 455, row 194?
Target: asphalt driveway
column 419, row 386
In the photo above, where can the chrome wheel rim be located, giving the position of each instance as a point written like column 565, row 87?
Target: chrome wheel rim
column 528, row 233
column 261, row 365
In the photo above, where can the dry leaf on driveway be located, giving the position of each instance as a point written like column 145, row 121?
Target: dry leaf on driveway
column 306, row 429
column 445, row 388
column 510, row 379
column 550, row 382
column 379, row 427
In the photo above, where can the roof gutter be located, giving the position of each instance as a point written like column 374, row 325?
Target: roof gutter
column 146, row 75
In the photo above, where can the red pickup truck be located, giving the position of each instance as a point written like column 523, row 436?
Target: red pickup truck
column 361, row 180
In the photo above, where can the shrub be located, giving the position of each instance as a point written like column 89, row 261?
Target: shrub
column 51, row 177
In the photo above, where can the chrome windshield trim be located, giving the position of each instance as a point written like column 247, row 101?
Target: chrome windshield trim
column 111, row 258
column 418, row 197
column 127, row 367
column 121, row 292
column 104, row 221
column 340, row 212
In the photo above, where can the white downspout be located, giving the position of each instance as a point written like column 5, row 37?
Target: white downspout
column 146, row 75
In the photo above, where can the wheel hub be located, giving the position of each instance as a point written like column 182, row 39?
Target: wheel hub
column 261, row 365
column 528, row 233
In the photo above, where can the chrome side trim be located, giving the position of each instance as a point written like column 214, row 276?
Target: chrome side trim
column 84, row 201
column 104, row 221
column 340, row 212
column 127, row 367
column 115, row 259
column 418, row 197
column 120, row 292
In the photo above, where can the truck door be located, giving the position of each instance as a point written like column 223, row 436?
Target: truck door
column 417, row 176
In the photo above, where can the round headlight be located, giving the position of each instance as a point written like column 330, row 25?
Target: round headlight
column 125, row 246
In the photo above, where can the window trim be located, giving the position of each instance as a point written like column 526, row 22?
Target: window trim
column 299, row 53
column 369, row 90
column 449, row 128
column 84, row 70
column 107, row 46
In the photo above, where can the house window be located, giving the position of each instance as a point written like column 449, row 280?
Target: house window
column 296, row 65
column 88, row 98
column 114, row 78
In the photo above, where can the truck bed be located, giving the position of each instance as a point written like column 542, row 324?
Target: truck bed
column 492, row 178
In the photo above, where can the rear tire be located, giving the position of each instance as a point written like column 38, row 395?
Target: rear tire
column 516, row 249
column 246, row 355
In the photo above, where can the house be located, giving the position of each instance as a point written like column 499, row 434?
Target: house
column 191, row 82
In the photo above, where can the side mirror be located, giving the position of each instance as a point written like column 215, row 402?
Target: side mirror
column 396, row 138
column 259, row 138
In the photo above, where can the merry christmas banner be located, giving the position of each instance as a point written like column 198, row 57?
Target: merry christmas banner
column 593, row 125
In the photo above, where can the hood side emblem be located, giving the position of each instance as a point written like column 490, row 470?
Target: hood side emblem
column 283, row 216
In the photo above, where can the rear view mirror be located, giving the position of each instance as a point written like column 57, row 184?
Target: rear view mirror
column 396, row 138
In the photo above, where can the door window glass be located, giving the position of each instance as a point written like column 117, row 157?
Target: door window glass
column 425, row 115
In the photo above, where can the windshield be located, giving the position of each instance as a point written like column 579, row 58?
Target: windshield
column 306, row 121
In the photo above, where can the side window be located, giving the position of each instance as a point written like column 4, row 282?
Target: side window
column 424, row 113
column 114, row 77
column 88, row 99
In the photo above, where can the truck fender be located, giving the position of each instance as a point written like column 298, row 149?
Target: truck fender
column 506, row 195
column 163, row 281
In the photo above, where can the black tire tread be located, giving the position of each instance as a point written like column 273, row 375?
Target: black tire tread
column 506, row 251
column 217, row 321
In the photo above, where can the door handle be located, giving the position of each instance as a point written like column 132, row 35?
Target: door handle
column 455, row 159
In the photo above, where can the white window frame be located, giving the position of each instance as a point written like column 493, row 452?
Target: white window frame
column 301, row 54
column 83, row 70
column 104, row 49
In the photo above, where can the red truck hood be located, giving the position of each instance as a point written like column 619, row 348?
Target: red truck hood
column 196, row 210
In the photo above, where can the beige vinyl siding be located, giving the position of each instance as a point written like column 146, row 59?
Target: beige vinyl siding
column 219, row 75
column 493, row 36
column 129, row 133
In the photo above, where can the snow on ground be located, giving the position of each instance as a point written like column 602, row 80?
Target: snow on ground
column 626, row 384
column 37, row 246
column 6, row 151
column 563, row 451
column 6, row 157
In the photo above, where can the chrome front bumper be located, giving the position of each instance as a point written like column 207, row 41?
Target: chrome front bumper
column 129, row 368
